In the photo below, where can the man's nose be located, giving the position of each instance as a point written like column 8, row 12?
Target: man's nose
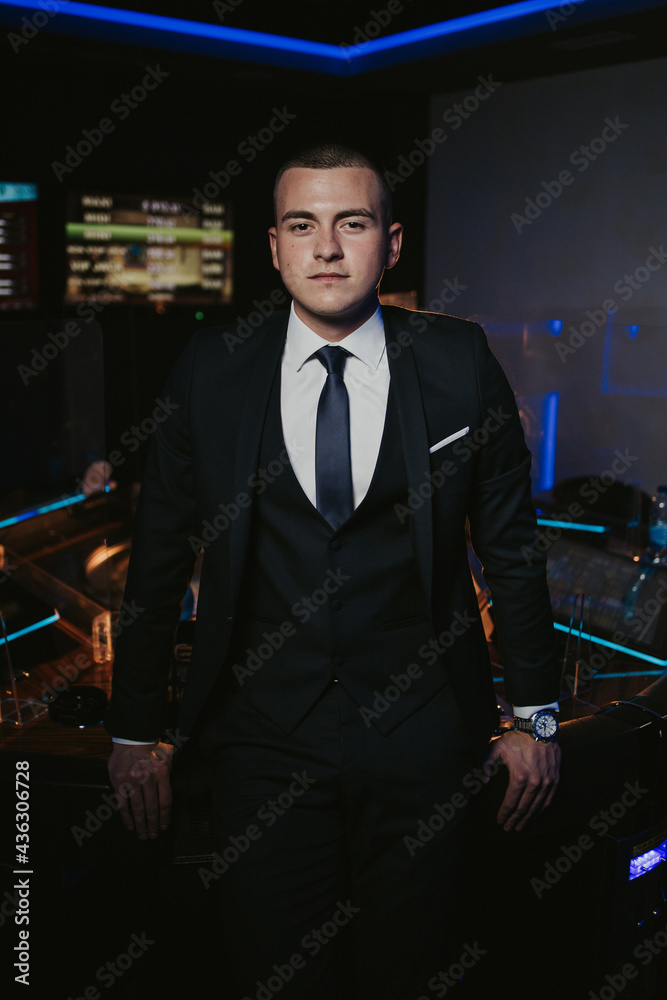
column 327, row 246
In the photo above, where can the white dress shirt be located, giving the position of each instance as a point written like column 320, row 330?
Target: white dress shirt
column 302, row 378
column 366, row 376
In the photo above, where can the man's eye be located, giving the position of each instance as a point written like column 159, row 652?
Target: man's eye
column 300, row 227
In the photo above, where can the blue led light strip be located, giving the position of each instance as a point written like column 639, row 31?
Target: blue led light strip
column 571, row 526
column 31, row 628
column 239, row 43
column 615, row 645
column 44, row 509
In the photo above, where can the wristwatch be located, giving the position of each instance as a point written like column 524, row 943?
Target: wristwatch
column 543, row 725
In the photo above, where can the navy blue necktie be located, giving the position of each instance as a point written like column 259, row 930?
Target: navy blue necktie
column 333, row 467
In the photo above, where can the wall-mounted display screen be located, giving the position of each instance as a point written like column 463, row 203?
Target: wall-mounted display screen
column 18, row 246
column 135, row 250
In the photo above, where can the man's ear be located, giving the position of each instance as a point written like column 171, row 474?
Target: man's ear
column 395, row 243
column 273, row 240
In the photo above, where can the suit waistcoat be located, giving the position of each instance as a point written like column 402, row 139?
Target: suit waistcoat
column 319, row 604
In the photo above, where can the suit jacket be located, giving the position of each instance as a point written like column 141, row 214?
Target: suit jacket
column 465, row 457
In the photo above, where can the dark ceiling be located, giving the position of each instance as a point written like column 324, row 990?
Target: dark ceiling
column 571, row 37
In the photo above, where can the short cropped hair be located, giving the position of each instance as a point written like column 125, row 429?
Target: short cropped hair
column 328, row 156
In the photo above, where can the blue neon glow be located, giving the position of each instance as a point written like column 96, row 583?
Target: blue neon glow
column 571, row 526
column 44, row 509
column 628, row 673
column 615, row 645
column 555, row 326
column 31, row 628
column 18, row 192
column 548, row 445
column 633, row 331
column 647, row 861
column 243, row 44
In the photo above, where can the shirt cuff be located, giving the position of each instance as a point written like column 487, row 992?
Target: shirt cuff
column 134, row 743
column 525, row 711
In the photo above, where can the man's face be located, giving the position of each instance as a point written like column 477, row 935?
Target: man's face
column 331, row 245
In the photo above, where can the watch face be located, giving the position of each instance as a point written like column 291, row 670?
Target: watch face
column 546, row 725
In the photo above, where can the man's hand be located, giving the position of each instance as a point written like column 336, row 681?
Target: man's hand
column 534, row 770
column 96, row 478
column 140, row 777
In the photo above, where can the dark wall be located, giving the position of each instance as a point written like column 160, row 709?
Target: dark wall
column 587, row 251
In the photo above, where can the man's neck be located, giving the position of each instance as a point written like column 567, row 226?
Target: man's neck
column 334, row 330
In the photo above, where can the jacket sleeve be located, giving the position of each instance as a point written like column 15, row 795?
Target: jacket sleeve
column 503, row 530
column 161, row 564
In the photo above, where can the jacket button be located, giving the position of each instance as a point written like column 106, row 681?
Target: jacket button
column 336, row 544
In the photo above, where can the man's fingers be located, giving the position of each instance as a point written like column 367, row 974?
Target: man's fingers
column 147, row 814
column 140, row 776
column 533, row 778
column 518, row 805
column 125, row 813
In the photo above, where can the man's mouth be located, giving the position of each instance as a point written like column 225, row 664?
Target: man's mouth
column 328, row 276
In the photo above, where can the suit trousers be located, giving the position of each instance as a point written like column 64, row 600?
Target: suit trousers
column 339, row 849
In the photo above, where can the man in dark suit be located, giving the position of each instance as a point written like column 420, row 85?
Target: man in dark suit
column 340, row 691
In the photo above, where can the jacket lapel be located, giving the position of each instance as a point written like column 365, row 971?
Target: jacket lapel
column 414, row 436
column 251, row 425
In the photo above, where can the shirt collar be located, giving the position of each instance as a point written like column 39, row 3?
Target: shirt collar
column 366, row 343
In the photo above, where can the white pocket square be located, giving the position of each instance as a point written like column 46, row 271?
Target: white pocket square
column 448, row 440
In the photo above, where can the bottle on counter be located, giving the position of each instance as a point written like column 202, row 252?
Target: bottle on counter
column 657, row 532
